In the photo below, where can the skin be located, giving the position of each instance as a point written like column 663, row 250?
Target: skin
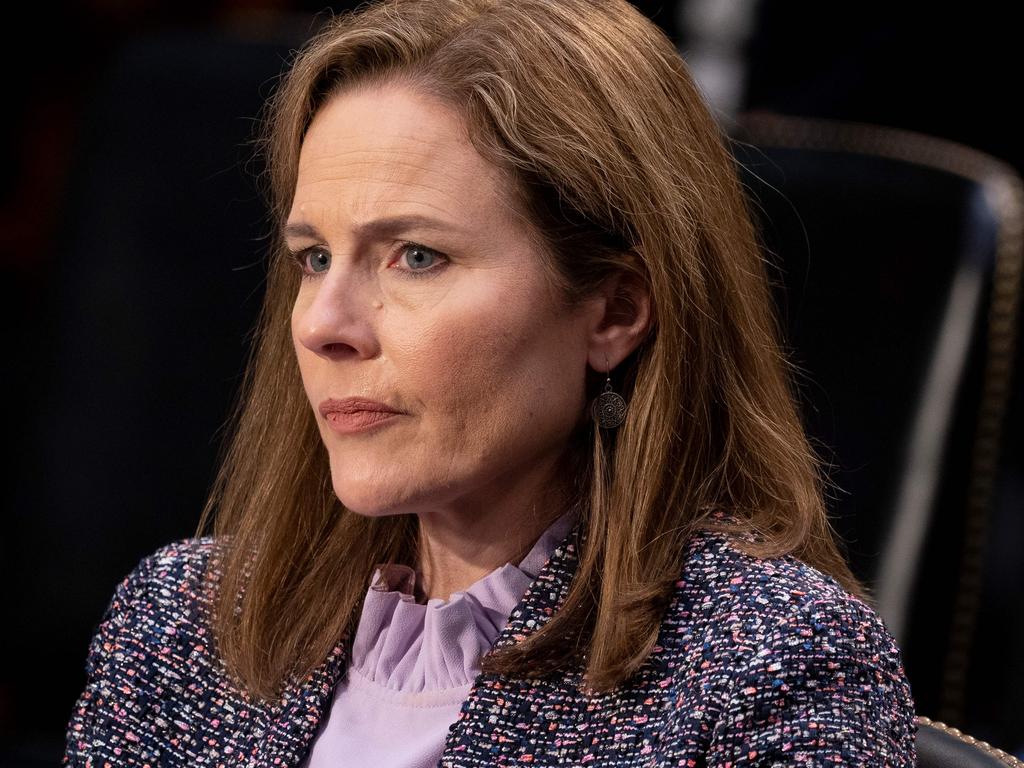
column 488, row 371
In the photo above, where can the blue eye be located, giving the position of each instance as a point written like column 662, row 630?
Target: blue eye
column 318, row 256
column 321, row 257
column 420, row 259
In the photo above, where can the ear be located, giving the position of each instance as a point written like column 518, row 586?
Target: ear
column 621, row 323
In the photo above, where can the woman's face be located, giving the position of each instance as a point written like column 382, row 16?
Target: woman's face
column 445, row 317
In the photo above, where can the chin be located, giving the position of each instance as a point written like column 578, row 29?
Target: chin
column 363, row 504
column 370, row 501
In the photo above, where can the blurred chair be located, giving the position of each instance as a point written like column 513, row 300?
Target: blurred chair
column 940, row 746
column 896, row 261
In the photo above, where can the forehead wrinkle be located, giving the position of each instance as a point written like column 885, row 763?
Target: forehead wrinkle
column 372, row 200
column 396, row 169
column 369, row 193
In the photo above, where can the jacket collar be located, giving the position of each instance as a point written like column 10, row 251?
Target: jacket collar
column 303, row 704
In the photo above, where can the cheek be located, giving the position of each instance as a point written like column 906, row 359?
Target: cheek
column 486, row 375
column 458, row 361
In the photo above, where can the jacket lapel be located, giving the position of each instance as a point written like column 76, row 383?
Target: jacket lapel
column 291, row 726
column 500, row 713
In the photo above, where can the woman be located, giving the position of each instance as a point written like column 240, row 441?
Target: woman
column 517, row 475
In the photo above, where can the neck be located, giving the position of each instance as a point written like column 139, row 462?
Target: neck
column 459, row 547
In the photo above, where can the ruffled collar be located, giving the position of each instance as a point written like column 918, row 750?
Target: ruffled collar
column 406, row 646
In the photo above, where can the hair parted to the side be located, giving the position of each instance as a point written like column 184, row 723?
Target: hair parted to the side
column 616, row 163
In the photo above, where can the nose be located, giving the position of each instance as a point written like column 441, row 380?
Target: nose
column 334, row 317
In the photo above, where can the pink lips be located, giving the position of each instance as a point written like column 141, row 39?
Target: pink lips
column 354, row 414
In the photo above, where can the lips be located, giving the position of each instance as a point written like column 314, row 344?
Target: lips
column 357, row 414
column 354, row 405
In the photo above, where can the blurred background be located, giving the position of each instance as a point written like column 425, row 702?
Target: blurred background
column 881, row 152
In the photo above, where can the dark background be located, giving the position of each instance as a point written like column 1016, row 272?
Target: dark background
column 126, row 317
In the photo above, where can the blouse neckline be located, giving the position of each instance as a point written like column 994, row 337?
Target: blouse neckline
column 411, row 647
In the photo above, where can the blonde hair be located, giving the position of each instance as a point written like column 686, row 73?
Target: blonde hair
column 617, row 164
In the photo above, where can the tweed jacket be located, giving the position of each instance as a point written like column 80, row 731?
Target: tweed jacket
column 758, row 662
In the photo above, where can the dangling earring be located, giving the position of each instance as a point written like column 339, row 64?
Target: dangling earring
column 608, row 408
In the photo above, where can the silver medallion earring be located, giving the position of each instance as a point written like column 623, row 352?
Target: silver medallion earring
column 608, row 409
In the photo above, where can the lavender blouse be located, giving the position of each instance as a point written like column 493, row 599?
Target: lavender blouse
column 413, row 665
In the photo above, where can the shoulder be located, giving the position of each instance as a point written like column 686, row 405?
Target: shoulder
column 166, row 583
column 180, row 558
column 160, row 603
column 151, row 652
column 781, row 642
column 753, row 600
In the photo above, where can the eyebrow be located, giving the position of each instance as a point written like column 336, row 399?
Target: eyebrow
column 385, row 227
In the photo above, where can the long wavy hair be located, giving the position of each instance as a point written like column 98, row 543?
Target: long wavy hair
column 616, row 163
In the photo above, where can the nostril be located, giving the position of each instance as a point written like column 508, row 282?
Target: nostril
column 338, row 350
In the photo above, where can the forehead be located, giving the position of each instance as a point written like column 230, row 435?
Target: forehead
column 383, row 147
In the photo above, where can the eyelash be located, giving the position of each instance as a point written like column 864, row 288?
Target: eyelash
column 298, row 258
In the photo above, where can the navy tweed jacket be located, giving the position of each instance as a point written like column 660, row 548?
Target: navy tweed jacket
column 758, row 662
